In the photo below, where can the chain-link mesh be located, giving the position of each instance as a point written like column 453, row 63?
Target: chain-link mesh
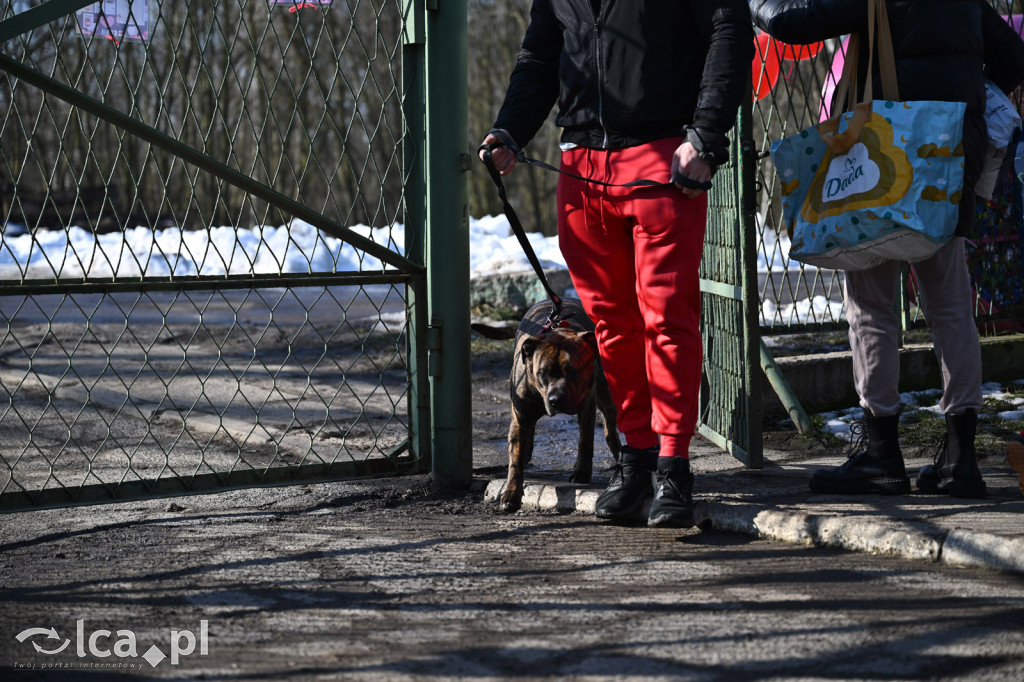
column 166, row 326
column 730, row 401
column 792, row 91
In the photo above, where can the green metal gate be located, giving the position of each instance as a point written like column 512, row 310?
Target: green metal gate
column 730, row 413
column 214, row 270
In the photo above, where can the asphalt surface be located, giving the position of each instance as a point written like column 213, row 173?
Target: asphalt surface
column 775, row 503
column 399, row 579
column 396, row 579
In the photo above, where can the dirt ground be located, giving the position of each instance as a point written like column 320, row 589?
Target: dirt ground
column 398, row 579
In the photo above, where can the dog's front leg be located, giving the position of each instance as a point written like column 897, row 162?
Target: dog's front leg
column 584, row 468
column 520, row 448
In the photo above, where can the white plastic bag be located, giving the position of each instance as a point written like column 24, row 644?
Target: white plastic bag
column 1000, row 115
column 1002, row 120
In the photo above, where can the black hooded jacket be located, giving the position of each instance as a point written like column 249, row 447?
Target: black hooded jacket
column 631, row 71
column 944, row 50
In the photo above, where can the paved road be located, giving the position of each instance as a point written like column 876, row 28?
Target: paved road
column 390, row 581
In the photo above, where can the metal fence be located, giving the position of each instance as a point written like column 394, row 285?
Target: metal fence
column 791, row 90
column 186, row 305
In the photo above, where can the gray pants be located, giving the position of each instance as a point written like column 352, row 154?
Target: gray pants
column 944, row 292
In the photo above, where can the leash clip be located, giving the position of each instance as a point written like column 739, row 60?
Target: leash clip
column 555, row 319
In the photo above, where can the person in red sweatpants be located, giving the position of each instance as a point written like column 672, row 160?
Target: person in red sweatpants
column 645, row 90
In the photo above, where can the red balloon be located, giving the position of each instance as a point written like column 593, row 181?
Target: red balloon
column 764, row 70
column 798, row 52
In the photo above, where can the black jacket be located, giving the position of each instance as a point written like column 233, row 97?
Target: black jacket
column 637, row 71
column 944, row 50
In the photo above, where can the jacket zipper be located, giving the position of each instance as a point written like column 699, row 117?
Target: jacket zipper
column 600, row 75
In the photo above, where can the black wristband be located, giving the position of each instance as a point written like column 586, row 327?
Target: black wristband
column 687, row 182
column 506, row 140
column 712, row 147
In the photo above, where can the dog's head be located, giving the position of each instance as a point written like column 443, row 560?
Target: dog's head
column 561, row 364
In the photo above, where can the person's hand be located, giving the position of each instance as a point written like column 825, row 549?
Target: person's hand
column 687, row 162
column 503, row 158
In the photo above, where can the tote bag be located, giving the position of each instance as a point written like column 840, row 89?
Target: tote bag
column 879, row 182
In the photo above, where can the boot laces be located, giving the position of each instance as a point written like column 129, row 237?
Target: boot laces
column 621, row 470
column 667, row 484
column 939, row 458
column 858, row 438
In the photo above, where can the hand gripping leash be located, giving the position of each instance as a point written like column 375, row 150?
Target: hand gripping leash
column 517, row 229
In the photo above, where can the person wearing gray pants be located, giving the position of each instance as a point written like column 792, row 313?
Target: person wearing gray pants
column 945, row 295
column 944, row 51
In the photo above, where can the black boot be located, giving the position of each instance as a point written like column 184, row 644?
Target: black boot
column 955, row 471
column 673, row 494
column 630, row 486
column 874, row 467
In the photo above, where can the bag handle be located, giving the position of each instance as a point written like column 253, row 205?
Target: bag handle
column 847, row 88
column 886, row 54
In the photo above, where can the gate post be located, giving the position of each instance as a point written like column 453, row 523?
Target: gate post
column 448, row 242
column 414, row 116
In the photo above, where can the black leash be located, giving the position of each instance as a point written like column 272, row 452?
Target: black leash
column 517, row 227
column 524, row 242
column 677, row 179
column 506, row 141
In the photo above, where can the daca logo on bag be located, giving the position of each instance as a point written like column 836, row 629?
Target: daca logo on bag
column 850, row 174
column 872, row 173
column 885, row 187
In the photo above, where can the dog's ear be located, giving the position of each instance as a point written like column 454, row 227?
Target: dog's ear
column 590, row 338
column 529, row 346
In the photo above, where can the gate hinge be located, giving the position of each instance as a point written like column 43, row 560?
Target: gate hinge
column 433, row 341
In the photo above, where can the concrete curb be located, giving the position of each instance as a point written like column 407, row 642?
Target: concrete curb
column 957, row 547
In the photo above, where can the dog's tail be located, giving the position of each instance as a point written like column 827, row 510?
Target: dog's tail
column 489, row 332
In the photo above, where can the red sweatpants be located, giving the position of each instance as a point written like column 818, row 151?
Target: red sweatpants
column 634, row 255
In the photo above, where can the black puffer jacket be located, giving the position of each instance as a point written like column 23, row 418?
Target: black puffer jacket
column 636, row 71
column 944, row 50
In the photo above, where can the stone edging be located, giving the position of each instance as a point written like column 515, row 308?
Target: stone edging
column 958, row 547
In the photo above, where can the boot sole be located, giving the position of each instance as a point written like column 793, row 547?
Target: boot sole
column 1015, row 456
column 671, row 521
column 971, row 488
column 867, row 486
column 631, row 512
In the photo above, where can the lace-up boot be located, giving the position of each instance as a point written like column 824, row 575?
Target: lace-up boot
column 875, row 464
column 630, row 486
column 955, row 471
column 673, row 494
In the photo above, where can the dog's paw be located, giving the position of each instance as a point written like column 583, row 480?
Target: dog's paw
column 510, row 502
column 581, row 477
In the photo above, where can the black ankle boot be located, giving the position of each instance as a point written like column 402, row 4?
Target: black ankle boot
column 873, row 467
column 673, row 494
column 955, row 471
column 630, row 486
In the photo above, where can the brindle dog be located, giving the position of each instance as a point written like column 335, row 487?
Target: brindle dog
column 555, row 370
